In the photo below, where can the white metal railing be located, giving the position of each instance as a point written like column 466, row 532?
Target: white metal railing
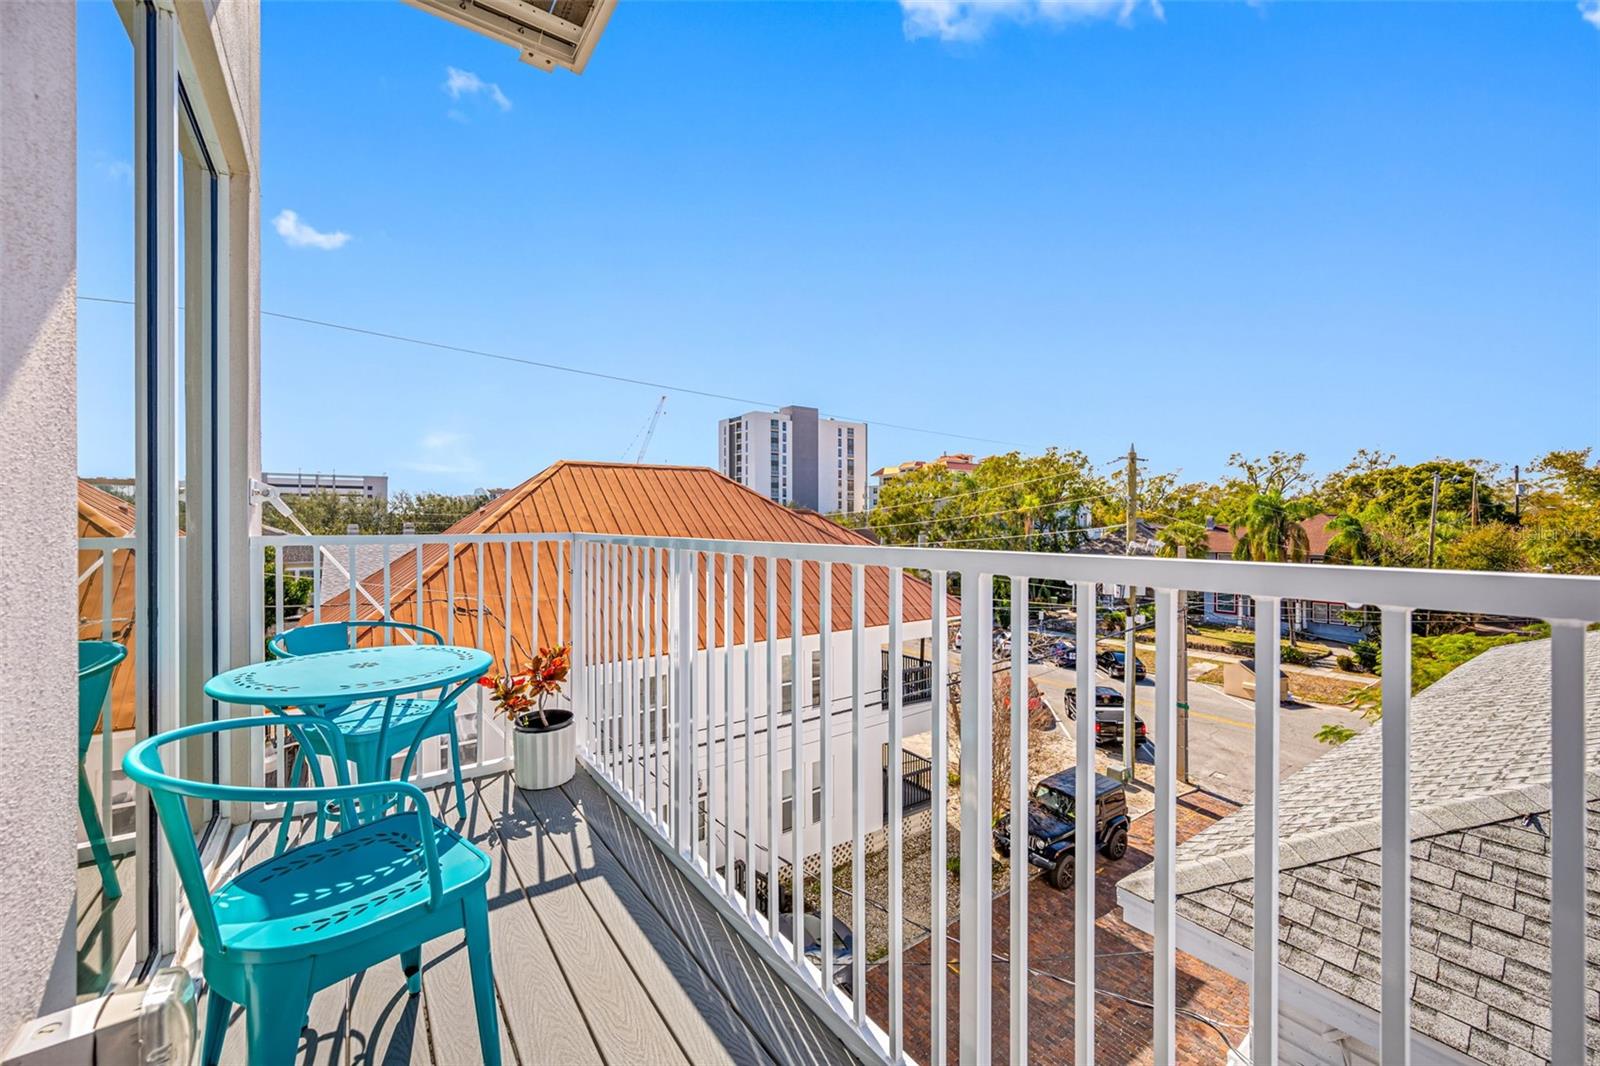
column 720, row 679
column 688, row 721
column 480, row 590
column 105, row 564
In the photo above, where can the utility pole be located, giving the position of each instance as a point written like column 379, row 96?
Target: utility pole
column 1130, row 663
column 1433, row 519
column 1516, row 494
column 1474, row 499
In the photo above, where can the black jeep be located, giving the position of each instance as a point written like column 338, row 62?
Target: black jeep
column 1051, row 821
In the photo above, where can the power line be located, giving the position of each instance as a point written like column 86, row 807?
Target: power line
column 973, row 492
column 986, row 514
column 562, row 368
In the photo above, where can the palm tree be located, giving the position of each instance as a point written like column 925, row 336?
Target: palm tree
column 1191, row 536
column 1272, row 530
column 1350, row 539
column 1273, row 534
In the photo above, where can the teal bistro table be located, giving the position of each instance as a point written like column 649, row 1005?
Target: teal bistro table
column 358, row 690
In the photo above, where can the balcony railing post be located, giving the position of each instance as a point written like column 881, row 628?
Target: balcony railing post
column 1395, row 835
column 1168, row 634
column 1568, row 850
column 1264, row 988
column 977, row 809
column 580, row 650
column 1083, row 600
column 683, row 789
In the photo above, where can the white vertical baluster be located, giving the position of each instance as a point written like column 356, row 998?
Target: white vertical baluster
column 749, row 739
column 108, row 723
column 858, row 790
column 580, row 655
column 506, row 616
column 1019, row 819
column 350, row 608
column 727, row 728
column 316, row 584
column 1166, row 813
column 895, row 702
column 688, row 790
column 533, row 595
column 478, row 642
column 671, row 652
column 603, row 620
column 419, row 602
column 1083, row 886
column 1568, row 842
column 658, row 694
column 1395, row 1020
column 277, row 592
column 710, row 720
column 561, row 593
column 938, row 919
column 825, row 774
column 630, row 699
column 977, row 810
column 774, row 797
column 387, row 592
column 799, row 689
column 1264, row 976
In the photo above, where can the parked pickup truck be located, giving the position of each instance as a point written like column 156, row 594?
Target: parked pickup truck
column 1107, row 715
column 1052, row 821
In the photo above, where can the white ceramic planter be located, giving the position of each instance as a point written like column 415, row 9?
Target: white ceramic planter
column 545, row 758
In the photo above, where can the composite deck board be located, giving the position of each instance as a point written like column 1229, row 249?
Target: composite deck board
column 538, row 1011
column 788, row 1029
column 627, row 1026
column 700, row 1017
column 452, row 1015
column 105, row 926
column 603, row 954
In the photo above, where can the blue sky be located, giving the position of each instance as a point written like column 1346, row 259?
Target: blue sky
column 1206, row 228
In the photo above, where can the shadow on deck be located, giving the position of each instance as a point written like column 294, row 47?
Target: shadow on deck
column 603, row 953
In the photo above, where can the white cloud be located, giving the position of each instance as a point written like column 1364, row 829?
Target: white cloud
column 119, row 170
column 459, row 83
column 297, row 234
column 1590, row 10
column 971, row 20
column 443, row 452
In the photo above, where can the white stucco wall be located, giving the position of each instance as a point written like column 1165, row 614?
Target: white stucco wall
column 38, row 503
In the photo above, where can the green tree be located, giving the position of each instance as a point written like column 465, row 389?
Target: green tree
column 1561, row 524
column 1494, row 546
column 1189, row 535
column 1270, row 531
column 1349, row 542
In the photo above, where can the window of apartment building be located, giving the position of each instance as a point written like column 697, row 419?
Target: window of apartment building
column 1225, row 603
column 816, row 793
column 787, row 679
column 788, row 800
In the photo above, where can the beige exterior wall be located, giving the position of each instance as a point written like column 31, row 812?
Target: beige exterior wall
column 38, row 503
column 38, row 443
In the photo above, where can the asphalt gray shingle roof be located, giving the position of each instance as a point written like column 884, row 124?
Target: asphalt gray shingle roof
column 1480, row 851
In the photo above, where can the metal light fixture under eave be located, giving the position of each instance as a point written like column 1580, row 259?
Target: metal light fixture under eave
column 547, row 33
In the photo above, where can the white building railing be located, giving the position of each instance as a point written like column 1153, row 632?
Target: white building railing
column 669, row 707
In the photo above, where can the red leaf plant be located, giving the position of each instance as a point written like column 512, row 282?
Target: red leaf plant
column 521, row 695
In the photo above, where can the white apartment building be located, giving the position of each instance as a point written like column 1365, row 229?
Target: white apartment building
column 795, row 456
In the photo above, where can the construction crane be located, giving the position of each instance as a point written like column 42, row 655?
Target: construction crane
column 650, row 429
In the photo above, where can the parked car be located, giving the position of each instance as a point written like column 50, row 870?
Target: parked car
column 1107, row 715
column 843, row 943
column 1063, row 653
column 1114, row 663
column 1052, row 820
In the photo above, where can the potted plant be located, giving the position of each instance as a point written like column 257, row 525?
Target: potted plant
column 543, row 741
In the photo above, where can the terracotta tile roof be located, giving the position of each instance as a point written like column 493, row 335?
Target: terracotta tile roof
column 632, row 500
column 1220, row 541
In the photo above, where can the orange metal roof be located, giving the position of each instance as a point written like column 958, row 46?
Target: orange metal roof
column 631, row 500
column 100, row 514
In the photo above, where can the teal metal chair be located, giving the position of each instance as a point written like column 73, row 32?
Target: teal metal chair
column 97, row 661
column 360, row 723
column 324, row 911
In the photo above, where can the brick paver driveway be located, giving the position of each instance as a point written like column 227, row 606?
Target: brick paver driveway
column 1122, row 1029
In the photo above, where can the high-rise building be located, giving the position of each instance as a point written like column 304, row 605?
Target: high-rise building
column 795, row 456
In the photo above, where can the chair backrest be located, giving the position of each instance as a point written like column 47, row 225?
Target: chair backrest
column 97, row 662
column 144, row 765
column 336, row 636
